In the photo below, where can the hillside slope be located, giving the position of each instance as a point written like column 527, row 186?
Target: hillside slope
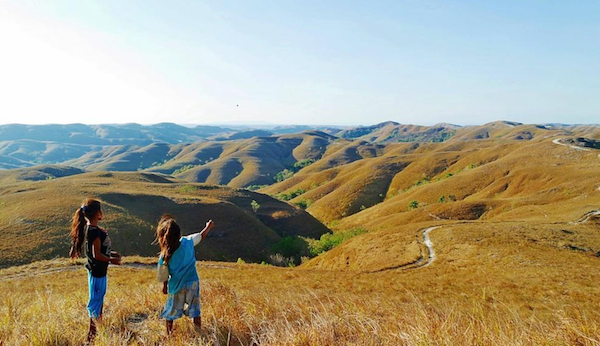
column 457, row 179
column 35, row 215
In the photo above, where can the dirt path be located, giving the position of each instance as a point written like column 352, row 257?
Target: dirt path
column 424, row 260
column 586, row 217
column 429, row 244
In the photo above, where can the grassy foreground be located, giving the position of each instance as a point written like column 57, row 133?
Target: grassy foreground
column 245, row 304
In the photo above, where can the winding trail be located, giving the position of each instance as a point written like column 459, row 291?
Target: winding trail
column 557, row 141
column 424, row 260
column 587, row 216
column 429, row 244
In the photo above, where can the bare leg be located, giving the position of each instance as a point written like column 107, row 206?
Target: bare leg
column 198, row 323
column 92, row 332
column 169, row 325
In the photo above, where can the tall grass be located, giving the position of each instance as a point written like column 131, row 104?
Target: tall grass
column 50, row 310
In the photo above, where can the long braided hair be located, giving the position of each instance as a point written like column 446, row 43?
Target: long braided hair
column 83, row 214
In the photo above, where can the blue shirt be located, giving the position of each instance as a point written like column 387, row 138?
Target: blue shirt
column 182, row 265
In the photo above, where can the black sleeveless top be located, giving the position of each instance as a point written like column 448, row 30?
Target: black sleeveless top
column 97, row 268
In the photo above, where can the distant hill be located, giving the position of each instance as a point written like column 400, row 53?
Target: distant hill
column 393, row 132
column 108, row 134
column 35, row 215
column 463, row 178
column 36, row 173
column 256, row 161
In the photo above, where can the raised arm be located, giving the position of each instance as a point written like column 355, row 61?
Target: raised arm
column 197, row 237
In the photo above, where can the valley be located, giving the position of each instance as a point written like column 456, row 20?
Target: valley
column 385, row 234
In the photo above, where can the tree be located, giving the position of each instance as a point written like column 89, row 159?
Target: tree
column 255, row 206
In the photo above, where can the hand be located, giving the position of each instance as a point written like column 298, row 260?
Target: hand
column 115, row 254
column 115, row 260
column 210, row 224
column 165, row 290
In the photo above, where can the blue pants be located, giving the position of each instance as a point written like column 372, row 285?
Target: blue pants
column 97, row 291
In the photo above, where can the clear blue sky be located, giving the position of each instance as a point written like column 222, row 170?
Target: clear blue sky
column 300, row 62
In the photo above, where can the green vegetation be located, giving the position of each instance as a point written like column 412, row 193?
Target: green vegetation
column 304, row 203
column 301, row 164
column 330, row 240
column 413, row 205
column 283, row 175
column 159, row 163
column 291, row 195
column 255, row 187
column 445, row 199
column 291, row 250
column 187, row 189
column 291, row 247
column 288, row 173
column 183, row 169
column 255, row 206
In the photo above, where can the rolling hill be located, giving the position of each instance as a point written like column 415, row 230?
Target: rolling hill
column 35, row 214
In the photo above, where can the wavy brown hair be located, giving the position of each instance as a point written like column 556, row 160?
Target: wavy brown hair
column 83, row 214
column 167, row 236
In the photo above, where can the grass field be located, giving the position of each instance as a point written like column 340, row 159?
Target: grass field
column 491, row 284
column 489, row 238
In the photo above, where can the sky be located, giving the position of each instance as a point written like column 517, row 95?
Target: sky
column 299, row 62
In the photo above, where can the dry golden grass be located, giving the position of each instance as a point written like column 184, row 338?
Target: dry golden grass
column 253, row 304
column 513, row 266
column 504, row 283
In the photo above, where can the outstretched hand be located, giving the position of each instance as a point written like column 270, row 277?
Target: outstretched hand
column 210, row 224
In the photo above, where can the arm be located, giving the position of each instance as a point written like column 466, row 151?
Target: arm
column 163, row 275
column 99, row 256
column 162, row 272
column 197, row 237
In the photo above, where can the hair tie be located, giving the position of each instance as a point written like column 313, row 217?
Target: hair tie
column 83, row 208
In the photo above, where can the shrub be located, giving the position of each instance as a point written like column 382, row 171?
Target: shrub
column 304, row 203
column 283, row 175
column 301, row 164
column 330, row 240
column 280, row 261
column 255, row 206
column 288, row 173
column 413, row 205
column 240, row 261
column 442, row 199
column 255, row 187
column 183, row 169
column 292, row 194
column 291, row 247
column 187, row 189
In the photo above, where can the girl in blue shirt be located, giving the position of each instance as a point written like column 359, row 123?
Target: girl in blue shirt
column 177, row 271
